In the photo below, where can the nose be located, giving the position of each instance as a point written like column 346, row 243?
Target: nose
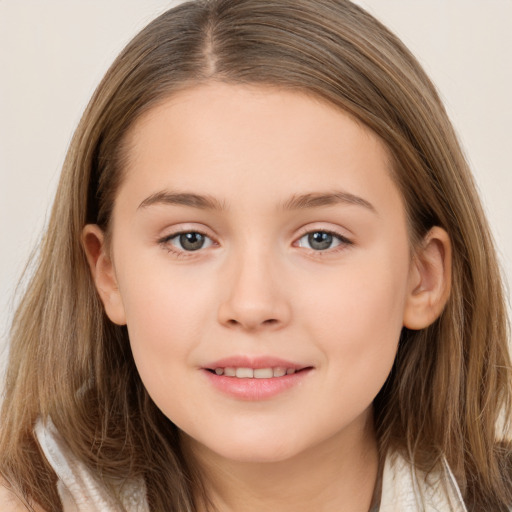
column 254, row 296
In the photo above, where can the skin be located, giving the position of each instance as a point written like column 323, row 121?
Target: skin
column 260, row 287
column 9, row 502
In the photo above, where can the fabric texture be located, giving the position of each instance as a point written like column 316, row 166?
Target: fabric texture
column 78, row 489
column 403, row 488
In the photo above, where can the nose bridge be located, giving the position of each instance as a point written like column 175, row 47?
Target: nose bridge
column 254, row 297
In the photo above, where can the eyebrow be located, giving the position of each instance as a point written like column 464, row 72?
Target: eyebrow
column 183, row 199
column 296, row 202
column 318, row 199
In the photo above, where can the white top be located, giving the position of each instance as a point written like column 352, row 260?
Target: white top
column 403, row 489
column 78, row 489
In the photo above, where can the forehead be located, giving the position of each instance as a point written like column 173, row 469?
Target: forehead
column 242, row 142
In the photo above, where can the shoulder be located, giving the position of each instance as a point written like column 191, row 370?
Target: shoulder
column 406, row 487
column 9, row 502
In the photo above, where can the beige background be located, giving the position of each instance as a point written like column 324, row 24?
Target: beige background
column 53, row 53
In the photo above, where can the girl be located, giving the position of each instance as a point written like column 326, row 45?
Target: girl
column 267, row 283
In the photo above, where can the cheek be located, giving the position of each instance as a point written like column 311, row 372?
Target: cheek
column 366, row 299
column 356, row 320
column 165, row 321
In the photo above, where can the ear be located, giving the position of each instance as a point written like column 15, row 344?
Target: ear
column 429, row 280
column 103, row 272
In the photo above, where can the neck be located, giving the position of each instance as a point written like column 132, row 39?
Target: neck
column 338, row 474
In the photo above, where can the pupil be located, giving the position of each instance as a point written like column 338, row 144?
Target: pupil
column 191, row 241
column 319, row 240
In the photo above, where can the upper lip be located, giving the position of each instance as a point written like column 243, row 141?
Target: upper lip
column 254, row 362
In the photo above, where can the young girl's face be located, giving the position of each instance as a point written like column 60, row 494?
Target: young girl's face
column 258, row 232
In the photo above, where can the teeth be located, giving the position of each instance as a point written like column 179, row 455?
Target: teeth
column 279, row 372
column 244, row 373
column 256, row 373
column 263, row 373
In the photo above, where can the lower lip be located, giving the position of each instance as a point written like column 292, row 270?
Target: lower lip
column 256, row 389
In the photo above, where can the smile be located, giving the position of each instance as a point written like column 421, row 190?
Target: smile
column 254, row 373
column 255, row 378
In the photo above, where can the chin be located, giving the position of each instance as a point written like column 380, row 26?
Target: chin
column 257, row 455
column 245, row 449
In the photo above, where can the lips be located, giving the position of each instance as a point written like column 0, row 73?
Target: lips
column 258, row 378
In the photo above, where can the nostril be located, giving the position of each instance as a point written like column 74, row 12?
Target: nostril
column 269, row 322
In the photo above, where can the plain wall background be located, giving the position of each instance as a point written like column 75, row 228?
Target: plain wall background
column 54, row 53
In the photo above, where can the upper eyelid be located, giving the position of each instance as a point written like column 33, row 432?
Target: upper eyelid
column 332, row 231
column 182, row 230
column 303, row 231
column 178, row 233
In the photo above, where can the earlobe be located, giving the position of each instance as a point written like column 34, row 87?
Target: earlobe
column 103, row 272
column 429, row 280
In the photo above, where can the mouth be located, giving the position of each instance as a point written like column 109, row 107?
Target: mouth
column 255, row 379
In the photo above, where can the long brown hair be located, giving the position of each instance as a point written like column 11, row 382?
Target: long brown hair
column 450, row 385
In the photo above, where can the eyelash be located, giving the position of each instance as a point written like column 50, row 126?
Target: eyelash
column 343, row 242
column 165, row 242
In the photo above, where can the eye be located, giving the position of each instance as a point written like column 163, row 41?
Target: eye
column 188, row 241
column 322, row 240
